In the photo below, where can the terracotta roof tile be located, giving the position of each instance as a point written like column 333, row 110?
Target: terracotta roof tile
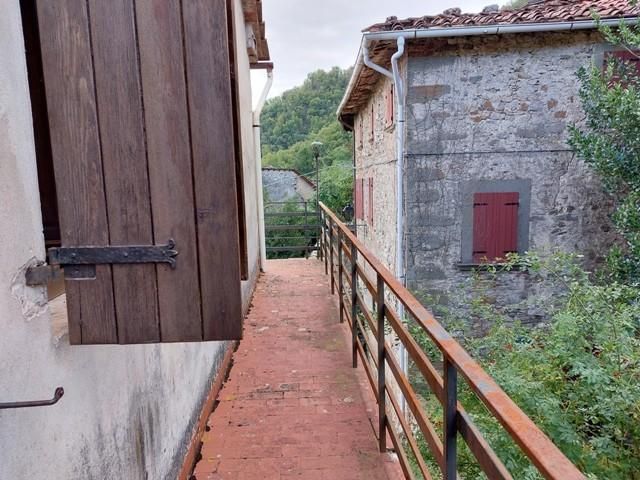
column 542, row 12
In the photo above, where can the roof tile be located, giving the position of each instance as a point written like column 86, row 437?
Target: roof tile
column 542, row 12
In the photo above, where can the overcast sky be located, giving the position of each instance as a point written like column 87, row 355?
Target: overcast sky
column 305, row 35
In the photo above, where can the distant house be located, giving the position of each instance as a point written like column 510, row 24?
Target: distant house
column 461, row 154
column 284, row 184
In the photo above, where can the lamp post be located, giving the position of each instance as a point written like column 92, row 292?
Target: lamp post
column 315, row 147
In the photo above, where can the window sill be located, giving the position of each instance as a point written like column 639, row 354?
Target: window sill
column 483, row 267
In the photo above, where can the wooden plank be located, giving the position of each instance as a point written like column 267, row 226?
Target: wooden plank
column 121, row 124
column 70, row 89
column 237, row 139
column 170, row 171
column 210, row 107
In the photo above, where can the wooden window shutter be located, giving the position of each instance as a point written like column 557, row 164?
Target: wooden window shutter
column 389, row 110
column 372, row 124
column 358, row 199
column 139, row 159
column 370, row 201
column 495, row 225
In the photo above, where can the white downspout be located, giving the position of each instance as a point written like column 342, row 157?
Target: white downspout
column 395, row 77
column 258, row 151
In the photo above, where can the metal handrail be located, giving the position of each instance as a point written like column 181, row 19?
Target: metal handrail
column 338, row 241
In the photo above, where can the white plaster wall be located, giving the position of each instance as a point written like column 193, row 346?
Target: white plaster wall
column 248, row 154
column 128, row 411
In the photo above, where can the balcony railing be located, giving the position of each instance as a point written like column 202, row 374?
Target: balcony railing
column 347, row 261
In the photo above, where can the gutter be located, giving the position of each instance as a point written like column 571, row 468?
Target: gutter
column 258, row 152
column 414, row 34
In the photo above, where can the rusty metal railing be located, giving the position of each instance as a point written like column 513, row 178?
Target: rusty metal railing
column 347, row 261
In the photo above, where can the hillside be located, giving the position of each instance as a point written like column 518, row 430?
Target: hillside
column 305, row 114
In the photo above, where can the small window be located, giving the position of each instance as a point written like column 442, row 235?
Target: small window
column 495, row 226
column 389, row 108
column 370, row 211
column 372, row 125
column 359, row 198
column 495, row 219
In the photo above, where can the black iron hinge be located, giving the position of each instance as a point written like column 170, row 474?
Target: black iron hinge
column 79, row 263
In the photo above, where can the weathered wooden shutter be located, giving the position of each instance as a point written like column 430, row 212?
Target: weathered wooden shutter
column 389, row 110
column 495, row 225
column 370, row 211
column 631, row 57
column 140, row 113
column 358, row 198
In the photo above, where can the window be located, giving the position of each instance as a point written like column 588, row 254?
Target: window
column 495, row 219
column 389, row 108
column 372, row 124
column 495, row 226
column 359, row 198
column 370, row 211
column 140, row 164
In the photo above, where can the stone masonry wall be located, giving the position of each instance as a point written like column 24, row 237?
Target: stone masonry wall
column 375, row 157
column 498, row 108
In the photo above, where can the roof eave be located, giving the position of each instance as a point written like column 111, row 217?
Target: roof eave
column 475, row 30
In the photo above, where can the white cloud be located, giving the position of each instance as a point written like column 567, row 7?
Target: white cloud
column 307, row 35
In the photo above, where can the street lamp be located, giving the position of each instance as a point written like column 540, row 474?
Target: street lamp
column 315, row 147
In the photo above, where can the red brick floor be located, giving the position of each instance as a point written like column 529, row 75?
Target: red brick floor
column 293, row 407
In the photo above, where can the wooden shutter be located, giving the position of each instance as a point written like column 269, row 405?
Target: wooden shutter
column 358, row 199
column 140, row 113
column 372, row 124
column 495, row 225
column 370, row 211
column 389, row 108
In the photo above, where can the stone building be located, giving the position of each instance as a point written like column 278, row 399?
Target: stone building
column 461, row 155
column 283, row 184
column 73, row 77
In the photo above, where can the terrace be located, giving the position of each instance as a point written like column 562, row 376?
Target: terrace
column 330, row 329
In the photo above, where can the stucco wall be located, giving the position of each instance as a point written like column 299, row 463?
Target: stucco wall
column 248, row 155
column 128, row 411
column 497, row 108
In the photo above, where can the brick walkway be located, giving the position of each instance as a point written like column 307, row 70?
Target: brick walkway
column 293, row 407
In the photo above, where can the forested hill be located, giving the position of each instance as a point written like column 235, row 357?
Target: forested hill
column 305, row 114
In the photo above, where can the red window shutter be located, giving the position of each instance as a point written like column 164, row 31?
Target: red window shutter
column 388, row 119
column 371, row 201
column 495, row 225
column 626, row 56
column 362, row 198
column 358, row 199
column 372, row 125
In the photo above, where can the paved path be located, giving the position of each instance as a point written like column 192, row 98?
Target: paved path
column 293, row 407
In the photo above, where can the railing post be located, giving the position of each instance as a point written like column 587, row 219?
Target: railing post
column 333, row 290
column 340, row 280
column 354, row 304
column 324, row 242
column 319, row 232
column 382, row 390
column 450, row 419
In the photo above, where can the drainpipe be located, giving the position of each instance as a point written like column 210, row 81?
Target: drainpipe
column 395, row 77
column 258, row 152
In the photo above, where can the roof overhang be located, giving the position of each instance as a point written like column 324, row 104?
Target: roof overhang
column 257, row 46
column 382, row 44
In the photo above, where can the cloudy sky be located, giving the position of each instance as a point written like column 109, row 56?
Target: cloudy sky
column 305, row 35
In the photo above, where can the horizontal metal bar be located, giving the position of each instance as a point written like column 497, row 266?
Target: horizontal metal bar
column 290, row 214
column 57, row 395
column 283, row 226
column 286, row 249
column 108, row 254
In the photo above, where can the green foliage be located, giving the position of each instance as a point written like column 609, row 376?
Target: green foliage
column 306, row 114
column 290, row 237
column 514, row 4
column 610, row 143
column 578, row 377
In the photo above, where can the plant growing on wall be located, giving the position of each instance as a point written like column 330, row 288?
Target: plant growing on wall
column 610, row 142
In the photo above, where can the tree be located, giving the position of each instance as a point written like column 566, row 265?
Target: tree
column 610, row 143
